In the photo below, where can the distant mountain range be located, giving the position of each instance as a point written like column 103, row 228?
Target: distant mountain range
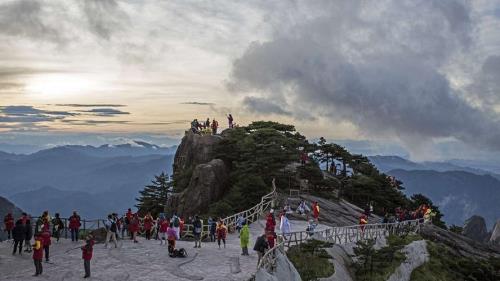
column 93, row 180
column 459, row 191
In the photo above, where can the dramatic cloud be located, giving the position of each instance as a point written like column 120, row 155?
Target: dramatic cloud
column 29, row 114
column 377, row 65
column 198, row 103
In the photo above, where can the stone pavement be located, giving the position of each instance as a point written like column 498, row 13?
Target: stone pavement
column 146, row 260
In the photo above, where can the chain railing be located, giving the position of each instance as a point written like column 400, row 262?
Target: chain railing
column 337, row 235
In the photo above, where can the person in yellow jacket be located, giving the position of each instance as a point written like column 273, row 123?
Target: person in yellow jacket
column 429, row 214
column 244, row 238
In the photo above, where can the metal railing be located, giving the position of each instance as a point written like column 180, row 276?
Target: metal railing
column 337, row 235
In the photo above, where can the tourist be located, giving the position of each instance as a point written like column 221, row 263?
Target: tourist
column 207, row 123
column 230, row 120
column 74, row 226
column 28, row 234
column 171, row 237
column 311, row 227
column 221, row 233
column 119, row 225
column 57, row 226
column 163, row 227
column 244, row 239
column 176, row 223
column 87, row 251
column 8, row 222
column 315, row 208
column 215, row 125
column 18, row 233
column 270, row 220
column 287, row 209
column 285, row 226
column 46, row 241
column 212, row 224
column 363, row 220
column 271, row 237
column 197, row 230
column 38, row 254
column 148, row 225
column 260, row 247
column 302, row 209
column 194, row 126
column 181, row 227
column 239, row 222
column 134, row 227
column 111, row 229
column 128, row 218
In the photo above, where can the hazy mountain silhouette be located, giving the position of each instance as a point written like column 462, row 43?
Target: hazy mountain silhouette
column 93, row 180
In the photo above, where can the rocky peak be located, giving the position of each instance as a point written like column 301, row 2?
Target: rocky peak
column 475, row 229
column 495, row 234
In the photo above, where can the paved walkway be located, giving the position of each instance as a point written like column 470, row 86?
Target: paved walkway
column 146, row 260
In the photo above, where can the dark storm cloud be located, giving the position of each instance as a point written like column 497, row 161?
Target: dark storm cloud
column 30, row 114
column 104, row 17
column 105, row 112
column 377, row 66
column 486, row 85
column 263, row 106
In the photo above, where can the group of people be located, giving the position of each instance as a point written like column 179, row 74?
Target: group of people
column 206, row 127
column 22, row 229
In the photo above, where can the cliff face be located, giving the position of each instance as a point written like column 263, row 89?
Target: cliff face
column 495, row 234
column 475, row 229
column 202, row 178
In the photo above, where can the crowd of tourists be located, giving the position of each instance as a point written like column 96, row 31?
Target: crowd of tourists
column 208, row 127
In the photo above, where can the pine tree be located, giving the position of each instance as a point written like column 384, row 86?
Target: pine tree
column 154, row 196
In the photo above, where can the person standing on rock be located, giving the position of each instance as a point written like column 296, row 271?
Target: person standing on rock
column 134, row 227
column 57, row 226
column 18, row 235
column 212, row 225
column 244, row 239
column 197, row 230
column 74, row 226
column 260, row 247
column 111, row 229
column 221, row 233
column 230, row 120
column 38, row 254
column 176, row 224
column 215, row 125
column 148, row 225
column 28, row 234
column 315, row 211
column 87, row 251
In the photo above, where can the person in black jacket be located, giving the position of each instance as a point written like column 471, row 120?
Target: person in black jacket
column 28, row 234
column 18, row 233
column 261, row 246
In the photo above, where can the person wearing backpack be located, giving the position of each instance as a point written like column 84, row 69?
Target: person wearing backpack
column 197, row 229
column 38, row 254
column 74, row 226
column 18, row 236
column 87, row 251
column 111, row 229
column 244, row 238
column 57, row 226
column 260, row 247
column 176, row 222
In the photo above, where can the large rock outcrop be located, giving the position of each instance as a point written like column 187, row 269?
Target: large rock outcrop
column 475, row 229
column 284, row 271
column 495, row 234
column 202, row 179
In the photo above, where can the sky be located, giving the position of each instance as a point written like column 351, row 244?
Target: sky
column 414, row 78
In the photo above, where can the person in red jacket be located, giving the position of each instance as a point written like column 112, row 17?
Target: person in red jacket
column 221, row 233
column 271, row 221
column 38, row 254
column 315, row 208
column 148, row 225
column 8, row 221
column 45, row 234
column 133, row 228
column 363, row 220
column 74, row 226
column 87, row 251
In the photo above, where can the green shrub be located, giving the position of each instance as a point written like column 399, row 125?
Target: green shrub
column 311, row 260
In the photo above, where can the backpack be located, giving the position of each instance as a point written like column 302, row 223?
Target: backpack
column 176, row 222
column 180, row 253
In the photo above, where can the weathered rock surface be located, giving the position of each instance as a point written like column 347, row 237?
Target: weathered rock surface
column 284, row 271
column 333, row 213
column 342, row 262
column 194, row 150
column 475, row 229
column 416, row 255
column 495, row 234
column 207, row 185
column 459, row 244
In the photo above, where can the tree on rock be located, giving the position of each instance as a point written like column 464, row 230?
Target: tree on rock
column 154, row 196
